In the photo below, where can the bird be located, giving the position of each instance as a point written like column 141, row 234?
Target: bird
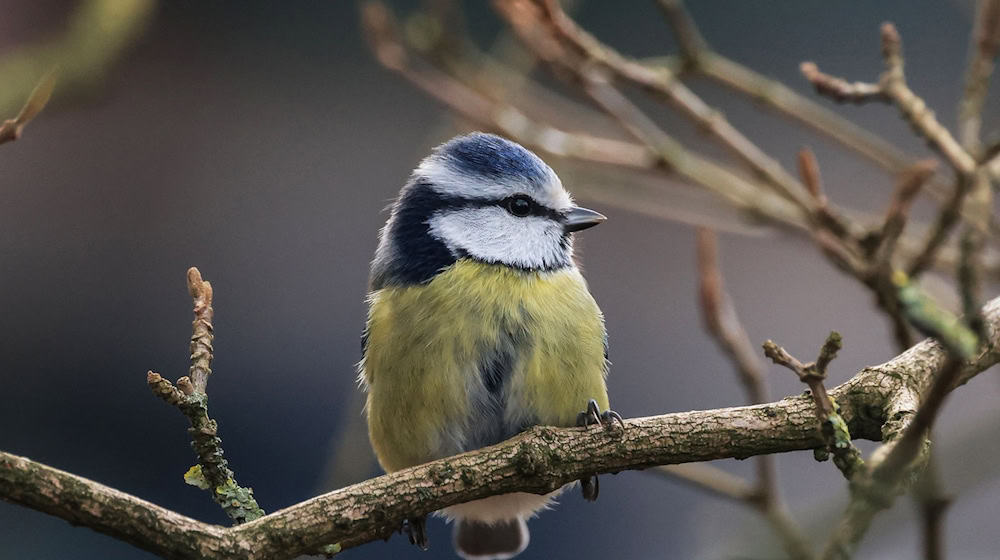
column 480, row 325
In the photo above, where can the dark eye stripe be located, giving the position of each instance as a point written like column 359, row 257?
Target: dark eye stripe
column 436, row 201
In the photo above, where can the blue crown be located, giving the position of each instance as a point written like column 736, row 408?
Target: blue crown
column 488, row 155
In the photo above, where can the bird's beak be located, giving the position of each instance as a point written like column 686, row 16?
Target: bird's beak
column 581, row 218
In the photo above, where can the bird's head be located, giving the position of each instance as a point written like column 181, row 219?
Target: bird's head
column 485, row 198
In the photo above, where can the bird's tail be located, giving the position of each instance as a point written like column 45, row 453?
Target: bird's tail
column 476, row 540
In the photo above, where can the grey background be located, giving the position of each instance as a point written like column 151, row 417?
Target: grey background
column 261, row 142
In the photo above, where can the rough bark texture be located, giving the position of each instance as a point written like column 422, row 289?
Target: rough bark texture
column 878, row 401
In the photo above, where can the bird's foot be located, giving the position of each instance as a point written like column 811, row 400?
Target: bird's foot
column 593, row 415
column 416, row 529
column 590, row 486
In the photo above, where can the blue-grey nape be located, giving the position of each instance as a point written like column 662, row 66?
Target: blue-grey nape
column 411, row 254
column 488, row 155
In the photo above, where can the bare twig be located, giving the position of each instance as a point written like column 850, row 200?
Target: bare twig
column 839, row 89
column 881, row 265
column 658, row 81
column 724, row 325
column 11, row 129
column 212, row 471
column 983, row 47
column 942, row 227
column 836, row 434
column 689, row 39
column 383, row 34
column 933, row 504
column 892, row 86
column 699, row 58
column 907, row 187
column 201, row 330
column 722, row 322
column 743, row 194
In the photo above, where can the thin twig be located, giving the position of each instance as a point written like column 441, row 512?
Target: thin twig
column 839, row 89
column 741, row 193
column 914, row 109
column 383, row 35
column 712, row 480
column 692, row 44
column 892, row 86
column 933, row 505
column 945, row 221
column 836, row 435
column 984, row 44
column 699, row 58
column 11, row 129
column 908, row 185
column 724, row 325
column 201, row 330
column 662, row 83
column 212, row 471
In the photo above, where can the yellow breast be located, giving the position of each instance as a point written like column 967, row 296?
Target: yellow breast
column 426, row 343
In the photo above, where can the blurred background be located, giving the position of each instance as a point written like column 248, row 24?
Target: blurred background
column 261, row 142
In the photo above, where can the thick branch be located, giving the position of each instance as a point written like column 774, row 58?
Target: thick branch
column 539, row 460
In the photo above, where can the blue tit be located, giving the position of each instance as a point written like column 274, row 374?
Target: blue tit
column 480, row 324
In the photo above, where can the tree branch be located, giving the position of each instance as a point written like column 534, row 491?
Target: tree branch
column 539, row 460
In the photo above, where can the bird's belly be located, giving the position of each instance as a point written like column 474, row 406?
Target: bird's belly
column 475, row 356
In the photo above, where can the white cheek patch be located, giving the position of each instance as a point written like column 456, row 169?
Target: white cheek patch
column 494, row 235
column 445, row 179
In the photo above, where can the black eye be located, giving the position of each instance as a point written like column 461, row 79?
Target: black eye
column 519, row 206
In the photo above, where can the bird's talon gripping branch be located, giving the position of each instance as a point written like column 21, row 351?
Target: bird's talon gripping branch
column 590, row 487
column 416, row 529
column 593, row 415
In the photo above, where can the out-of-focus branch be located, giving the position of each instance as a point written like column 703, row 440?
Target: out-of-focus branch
column 892, row 86
column 839, row 89
column 881, row 266
column 11, row 129
column 741, row 193
column 659, row 81
column 722, row 322
column 933, row 504
column 713, row 480
column 97, row 35
column 984, row 45
column 212, row 471
column 700, row 59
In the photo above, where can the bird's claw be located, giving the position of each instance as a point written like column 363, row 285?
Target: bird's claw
column 416, row 529
column 590, row 486
column 593, row 415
